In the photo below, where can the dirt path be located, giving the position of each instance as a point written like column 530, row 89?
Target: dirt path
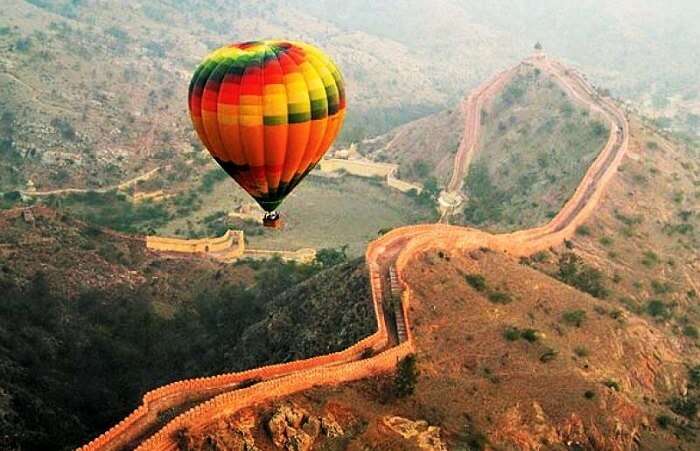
column 398, row 247
column 120, row 186
column 35, row 94
column 471, row 108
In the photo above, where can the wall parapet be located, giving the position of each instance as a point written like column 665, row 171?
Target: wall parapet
column 175, row 393
column 231, row 242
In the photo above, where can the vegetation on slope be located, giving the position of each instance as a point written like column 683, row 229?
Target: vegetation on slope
column 323, row 314
column 640, row 247
column 424, row 149
column 536, row 145
column 552, row 365
column 90, row 321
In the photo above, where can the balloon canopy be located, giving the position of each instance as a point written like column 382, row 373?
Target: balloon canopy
column 267, row 111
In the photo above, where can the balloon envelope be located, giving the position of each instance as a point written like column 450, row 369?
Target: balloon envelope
column 267, row 111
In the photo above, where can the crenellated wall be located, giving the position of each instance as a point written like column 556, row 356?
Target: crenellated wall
column 228, row 403
column 138, row 422
column 303, row 255
column 229, row 240
column 228, row 247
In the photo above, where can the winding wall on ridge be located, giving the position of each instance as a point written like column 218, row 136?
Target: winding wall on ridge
column 397, row 247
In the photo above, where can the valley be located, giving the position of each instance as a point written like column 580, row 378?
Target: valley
column 497, row 253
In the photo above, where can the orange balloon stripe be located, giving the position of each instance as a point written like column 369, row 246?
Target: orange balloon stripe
column 319, row 108
column 251, row 124
column 227, row 117
column 274, row 119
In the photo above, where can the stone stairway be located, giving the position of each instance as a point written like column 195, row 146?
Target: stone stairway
column 396, row 303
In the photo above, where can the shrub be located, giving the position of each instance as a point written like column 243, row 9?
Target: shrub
column 511, row 333
column 694, row 375
column 658, row 309
column 690, row 331
column 664, row 421
column 574, row 272
column 686, row 406
column 606, row 241
column 574, row 317
column 210, row 179
column 530, row 335
column 331, row 257
column 406, row 376
column 541, row 256
column 476, row 281
column 589, row 394
column 598, row 128
column 583, row 230
column 499, row 297
column 64, row 128
column 548, row 355
column 472, row 439
column 660, row 287
column 23, row 44
column 581, row 351
column 650, row 259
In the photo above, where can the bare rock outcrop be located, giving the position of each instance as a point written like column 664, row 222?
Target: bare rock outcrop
column 292, row 428
column 427, row 437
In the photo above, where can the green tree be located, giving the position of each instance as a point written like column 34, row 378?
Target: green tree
column 406, row 376
column 330, row 257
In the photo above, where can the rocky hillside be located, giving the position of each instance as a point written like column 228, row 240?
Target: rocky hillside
column 65, row 122
column 423, row 148
column 645, row 235
column 507, row 357
column 592, row 344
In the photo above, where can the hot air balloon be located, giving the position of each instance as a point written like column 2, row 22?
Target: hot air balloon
column 267, row 111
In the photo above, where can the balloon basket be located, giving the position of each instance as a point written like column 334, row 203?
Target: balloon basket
column 273, row 220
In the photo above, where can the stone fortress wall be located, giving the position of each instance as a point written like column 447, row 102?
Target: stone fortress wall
column 228, row 247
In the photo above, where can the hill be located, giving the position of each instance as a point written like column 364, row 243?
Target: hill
column 535, row 146
column 80, row 301
column 644, row 236
column 423, row 148
column 574, row 345
column 508, row 357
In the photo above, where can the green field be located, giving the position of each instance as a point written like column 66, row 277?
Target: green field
column 320, row 213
